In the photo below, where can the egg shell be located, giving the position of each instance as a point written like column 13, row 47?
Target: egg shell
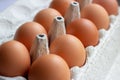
column 69, row 48
column 85, row 30
column 111, row 6
column 45, row 17
column 14, row 59
column 27, row 32
column 60, row 5
column 49, row 67
column 97, row 14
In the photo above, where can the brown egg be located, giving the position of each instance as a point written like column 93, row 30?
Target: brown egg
column 14, row 59
column 85, row 30
column 110, row 5
column 69, row 48
column 97, row 14
column 60, row 5
column 49, row 67
column 27, row 32
column 46, row 17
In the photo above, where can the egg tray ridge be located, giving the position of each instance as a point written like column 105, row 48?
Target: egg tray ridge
column 100, row 58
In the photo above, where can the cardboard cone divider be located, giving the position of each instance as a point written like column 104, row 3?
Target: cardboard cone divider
column 39, row 47
column 57, row 28
column 72, row 13
column 41, row 43
column 59, row 24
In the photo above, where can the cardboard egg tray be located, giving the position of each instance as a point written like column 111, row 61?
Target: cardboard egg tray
column 100, row 58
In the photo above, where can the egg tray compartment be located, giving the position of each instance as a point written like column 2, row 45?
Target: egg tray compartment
column 100, row 58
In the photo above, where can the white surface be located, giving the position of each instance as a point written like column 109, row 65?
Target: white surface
column 5, row 3
column 114, row 73
column 101, row 60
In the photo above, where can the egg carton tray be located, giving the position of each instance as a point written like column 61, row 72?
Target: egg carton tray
column 100, row 58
